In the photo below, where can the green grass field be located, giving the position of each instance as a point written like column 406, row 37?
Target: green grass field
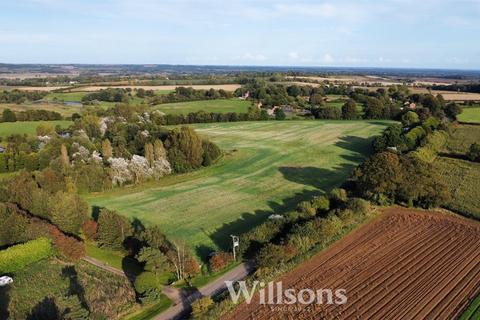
column 268, row 167
column 27, row 127
column 66, row 96
column 470, row 115
column 462, row 137
column 462, row 178
column 219, row 106
column 160, row 92
column 64, row 110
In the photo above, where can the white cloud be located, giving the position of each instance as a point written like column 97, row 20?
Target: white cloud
column 294, row 55
column 384, row 60
column 327, row 58
column 257, row 57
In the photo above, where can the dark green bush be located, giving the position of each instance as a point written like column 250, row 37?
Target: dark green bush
column 211, row 152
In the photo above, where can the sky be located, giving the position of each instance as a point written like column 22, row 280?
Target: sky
column 350, row 33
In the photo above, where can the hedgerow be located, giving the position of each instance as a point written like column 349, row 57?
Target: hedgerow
column 18, row 257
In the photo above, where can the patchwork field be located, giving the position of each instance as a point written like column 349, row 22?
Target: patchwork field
column 407, row 264
column 78, row 95
column 462, row 137
column 28, row 127
column 227, row 87
column 64, row 110
column 449, row 95
column 470, row 115
column 268, row 166
column 462, row 178
column 218, row 106
column 66, row 96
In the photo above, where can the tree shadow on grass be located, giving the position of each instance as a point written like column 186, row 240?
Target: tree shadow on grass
column 204, row 252
column 75, row 288
column 322, row 180
column 45, row 309
column 4, row 302
column 362, row 147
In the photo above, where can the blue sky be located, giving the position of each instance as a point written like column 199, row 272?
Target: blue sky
column 388, row 33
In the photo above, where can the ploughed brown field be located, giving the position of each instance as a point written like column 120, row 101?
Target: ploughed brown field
column 405, row 264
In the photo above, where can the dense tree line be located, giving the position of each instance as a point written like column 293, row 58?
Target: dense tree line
column 388, row 178
column 408, row 135
column 273, row 94
column 400, row 171
column 182, row 94
column 17, row 96
column 467, row 87
column 108, row 95
column 210, row 117
column 100, row 153
column 19, row 225
column 383, row 103
column 29, row 115
column 315, row 222
column 50, row 196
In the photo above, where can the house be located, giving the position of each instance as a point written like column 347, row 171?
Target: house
column 285, row 108
column 271, row 111
column 410, row 105
column 245, row 96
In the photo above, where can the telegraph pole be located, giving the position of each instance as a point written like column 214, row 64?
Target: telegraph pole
column 236, row 243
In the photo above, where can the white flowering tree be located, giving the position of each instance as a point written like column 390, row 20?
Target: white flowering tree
column 119, row 171
column 137, row 169
column 140, row 169
column 161, row 168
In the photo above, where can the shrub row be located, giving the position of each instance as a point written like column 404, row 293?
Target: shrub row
column 17, row 257
column 433, row 144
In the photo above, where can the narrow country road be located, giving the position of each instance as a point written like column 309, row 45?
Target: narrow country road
column 104, row 266
column 211, row 289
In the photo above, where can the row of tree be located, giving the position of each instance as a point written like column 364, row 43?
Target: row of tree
column 18, row 96
column 107, row 95
column 29, row 115
column 466, row 87
column 189, row 94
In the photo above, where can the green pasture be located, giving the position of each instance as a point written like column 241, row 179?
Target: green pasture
column 268, row 167
column 28, row 127
column 217, row 106
column 470, row 115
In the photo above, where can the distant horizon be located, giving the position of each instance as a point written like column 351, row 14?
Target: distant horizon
column 243, row 66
